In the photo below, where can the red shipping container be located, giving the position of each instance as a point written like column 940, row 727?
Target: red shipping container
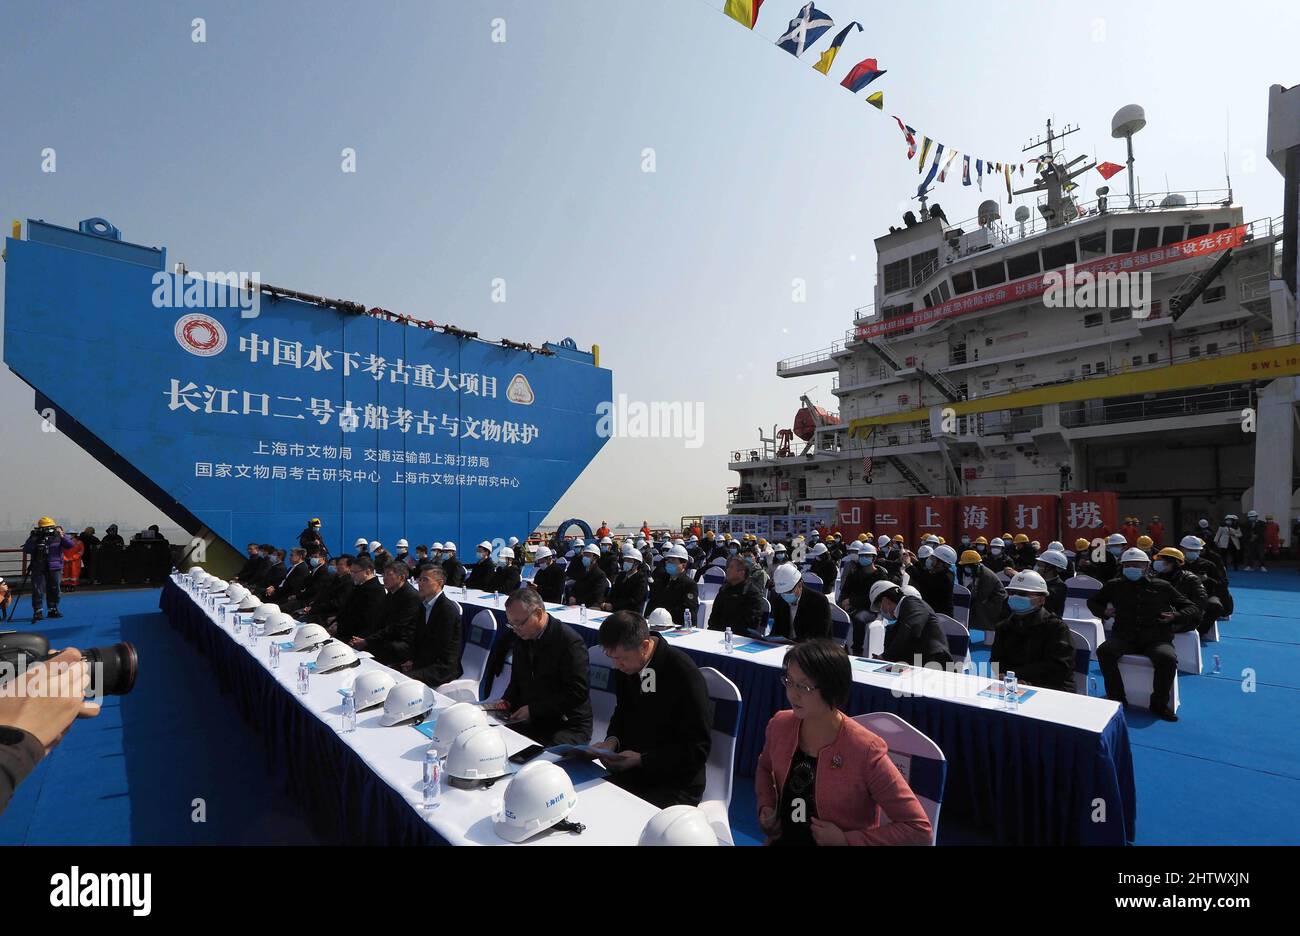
column 937, row 515
column 890, row 517
column 1088, row 514
column 980, row 516
column 1034, row 515
column 854, row 517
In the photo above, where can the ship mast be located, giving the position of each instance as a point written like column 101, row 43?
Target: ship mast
column 1054, row 177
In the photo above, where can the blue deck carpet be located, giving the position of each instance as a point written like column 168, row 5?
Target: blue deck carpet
column 1227, row 773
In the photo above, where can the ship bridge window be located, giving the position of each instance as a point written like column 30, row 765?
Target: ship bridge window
column 1148, row 237
column 1214, row 294
column 1058, row 255
column 1024, row 265
column 1172, row 234
column 1094, row 245
column 1221, row 226
column 990, row 275
column 923, row 264
column 1197, row 230
column 896, row 276
column 1121, row 315
column 1121, row 240
column 963, row 282
column 1092, row 319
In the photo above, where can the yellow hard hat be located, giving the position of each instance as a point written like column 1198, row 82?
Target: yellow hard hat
column 1006, row 536
column 1145, row 542
column 942, row 541
column 1171, row 553
column 1020, row 538
column 708, row 532
column 982, row 541
column 898, row 537
column 1081, row 543
column 45, row 521
column 862, row 537
column 761, row 541
column 969, row 557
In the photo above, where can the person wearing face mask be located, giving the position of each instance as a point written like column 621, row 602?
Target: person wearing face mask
column 754, row 570
column 479, row 575
column 675, row 592
column 995, row 559
column 912, row 632
column 326, row 609
column 1227, row 539
column 1109, row 566
column 294, row 581
column 505, row 575
column 452, row 566
column 739, row 602
column 1148, row 611
column 318, row 582
column 1032, row 641
column 1023, row 553
column 590, row 586
column 1169, row 565
column 1058, row 546
column 779, row 557
column 980, row 546
column 548, row 578
column 938, row 571
column 608, row 560
column 630, row 588
column 1051, row 567
column 364, row 610
column 574, row 557
column 855, row 590
column 403, row 554
column 798, row 613
column 311, row 535
column 821, row 564
column 1213, row 576
column 988, row 597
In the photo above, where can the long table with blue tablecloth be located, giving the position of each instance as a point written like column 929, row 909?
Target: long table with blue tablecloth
column 1056, row 770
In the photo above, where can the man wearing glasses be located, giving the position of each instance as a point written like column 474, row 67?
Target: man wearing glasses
column 548, row 693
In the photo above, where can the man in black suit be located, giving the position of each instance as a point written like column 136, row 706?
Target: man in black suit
column 392, row 643
column 318, row 582
column 548, row 693
column 253, row 566
column 435, row 653
column 912, row 632
column 273, row 571
column 659, row 735
column 629, row 590
column 799, row 613
column 295, row 579
column 676, row 591
column 505, row 577
column 452, row 566
column 481, row 572
column 590, row 587
column 363, row 612
column 326, row 608
column 549, row 577
column 738, row 603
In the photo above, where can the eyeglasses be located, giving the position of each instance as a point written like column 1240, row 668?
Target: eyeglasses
column 803, row 688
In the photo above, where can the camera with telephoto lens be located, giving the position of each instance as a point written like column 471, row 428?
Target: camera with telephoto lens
column 112, row 669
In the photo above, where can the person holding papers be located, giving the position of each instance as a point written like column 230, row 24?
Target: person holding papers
column 822, row 778
column 912, row 632
column 548, row 695
column 659, row 735
column 798, row 613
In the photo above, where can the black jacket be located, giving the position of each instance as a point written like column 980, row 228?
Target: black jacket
column 1187, row 584
column 392, row 643
column 20, row 752
column 362, row 614
column 812, row 616
column 319, row 582
column 663, row 713
column 273, row 574
column 916, row 632
column 480, row 574
column 549, row 583
column 455, row 571
column 1036, row 647
column 935, row 586
column 825, row 568
column 549, row 675
column 293, row 584
column 855, row 590
column 676, row 594
column 629, row 591
column 590, row 588
column 988, row 598
column 252, row 569
column 505, row 580
column 436, row 649
column 610, row 564
column 1138, row 606
column 739, row 607
column 335, row 598
column 1056, row 595
column 995, row 563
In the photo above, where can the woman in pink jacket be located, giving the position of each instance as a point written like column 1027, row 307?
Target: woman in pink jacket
column 822, row 778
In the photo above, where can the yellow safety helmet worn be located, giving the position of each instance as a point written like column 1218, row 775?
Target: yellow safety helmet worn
column 969, row 557
column 1145, row 542
column 1170, row 552
column 981, row 541
column 1081, row 543
column 1020, row 538
column 45, row 522
column 898, row 537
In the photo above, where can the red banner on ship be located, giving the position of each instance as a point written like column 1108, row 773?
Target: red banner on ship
column 980, row 516
column 1034, row 515
column 1033, row 286
column 1088, row 514
column 854, row 517
column 891, row 517
column 937, row 515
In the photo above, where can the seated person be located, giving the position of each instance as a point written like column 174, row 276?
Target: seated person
column 822, row 778
column 1032, row 641
column 799, row 613
column 631, row 588
column 912, row 632
column 739, row 602
column 392, row 641
column 436, row 648
column 676, row 591
column 659, row 735
column 590, row 586
column 548, row 578
column 505, row 579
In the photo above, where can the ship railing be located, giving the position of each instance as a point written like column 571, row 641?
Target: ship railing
column 862, row 313
column 1104, row 412
column 812, row 357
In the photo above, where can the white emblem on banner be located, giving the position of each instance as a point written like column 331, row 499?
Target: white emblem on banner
column 199, row 334
column 519, row 391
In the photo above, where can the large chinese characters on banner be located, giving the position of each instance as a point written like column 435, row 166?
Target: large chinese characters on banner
column 1088, row 515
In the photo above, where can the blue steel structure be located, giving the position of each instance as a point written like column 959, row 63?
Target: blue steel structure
column 244, row 418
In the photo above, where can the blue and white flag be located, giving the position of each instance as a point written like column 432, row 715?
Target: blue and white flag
column 934, row 169
column 805, row 29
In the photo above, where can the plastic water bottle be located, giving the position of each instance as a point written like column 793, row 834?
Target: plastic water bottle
column 253, row 633
column 275, row 653
column 221, row 614
column 496, row 599
column 349, row 711
column 582, row 614
column 1011, row 686
column 771, row 623
column 432, row 779
column 237, row 626
column 303, row 676
column 1218, row 664
column 1092, row 685
column 728, row 640
column 687, row 622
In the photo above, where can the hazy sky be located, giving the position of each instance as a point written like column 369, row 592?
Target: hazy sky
column 524, row 160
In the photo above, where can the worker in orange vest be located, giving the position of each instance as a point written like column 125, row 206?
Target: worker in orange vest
column 72, row 563
column 1272, row 536
column 1156, row 530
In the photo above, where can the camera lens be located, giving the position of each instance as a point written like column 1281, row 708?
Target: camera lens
column 118, row 665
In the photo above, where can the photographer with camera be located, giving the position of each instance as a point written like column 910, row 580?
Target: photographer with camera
column 45, row 545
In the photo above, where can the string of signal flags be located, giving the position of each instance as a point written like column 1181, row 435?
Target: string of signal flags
column 811, row 24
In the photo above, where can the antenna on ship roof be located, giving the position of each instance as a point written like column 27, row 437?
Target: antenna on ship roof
column 1054, row 176
column 1227, row 148
column 1127, row 121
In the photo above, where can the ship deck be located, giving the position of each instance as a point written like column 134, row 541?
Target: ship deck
column 1227, row 773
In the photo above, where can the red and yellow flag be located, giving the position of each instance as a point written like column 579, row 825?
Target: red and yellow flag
column 744, row 12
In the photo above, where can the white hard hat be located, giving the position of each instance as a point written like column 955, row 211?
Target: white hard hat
column 678, row 552
column 278, row 623
column 217, row 586
column 371, row 688
column 402, row 544
column 879, row 589
column 786, row 578
column 361, row 541
column 1054, row 557
column 660, row 617
column 265, row 611
column 882, row 540
column 780, row 547
column 911, row 591
column 997, row 541
column 925, row 551
column 484, row 545
column 818, row 550
column 449, row 546
column 946, row 553
column 591, row 549
column 513, row 541
column 631, row 552
column 931, row 539
column 1116, row 539
column 310, row 636
column 1252, row 513
column 506, row 552
column 375, row 544
column 477, row 755
column 543, row 552
column 537, row 797
column 196, row 573
column 405, row 701
column 1192, row 542
column 1027, row 581
column 868, row 549
column 854, row 546
column 248, row 603
column 335, row 655
column 678, row 825
column 606, row 539
column 436, row 546
column 1134, row 555
column 452, row 722
column 1056, row 545
column 236, row 592
column 1230, row 517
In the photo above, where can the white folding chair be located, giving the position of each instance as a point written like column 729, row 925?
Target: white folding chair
column 600, row 674
column 1138, row 674
column 958, row 640
column 1188, row 647
column 720, row 769
column 473, row 657
column 841, row 625
column 917, row 758
column 1078, row 589
column 961, row 604
column 813, row 581
column 1083, row 652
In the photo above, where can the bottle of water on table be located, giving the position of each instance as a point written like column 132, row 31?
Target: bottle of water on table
column 1011, row 687
column 687, row 622
column 253, row 633
column 275, row 653
column 237, row 626
column 582, row 614
column 303, row 676
column 728, row 640
column 432, row 779
column 349, row 710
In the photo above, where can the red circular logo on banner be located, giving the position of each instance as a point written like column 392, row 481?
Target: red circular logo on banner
column 200, row 334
